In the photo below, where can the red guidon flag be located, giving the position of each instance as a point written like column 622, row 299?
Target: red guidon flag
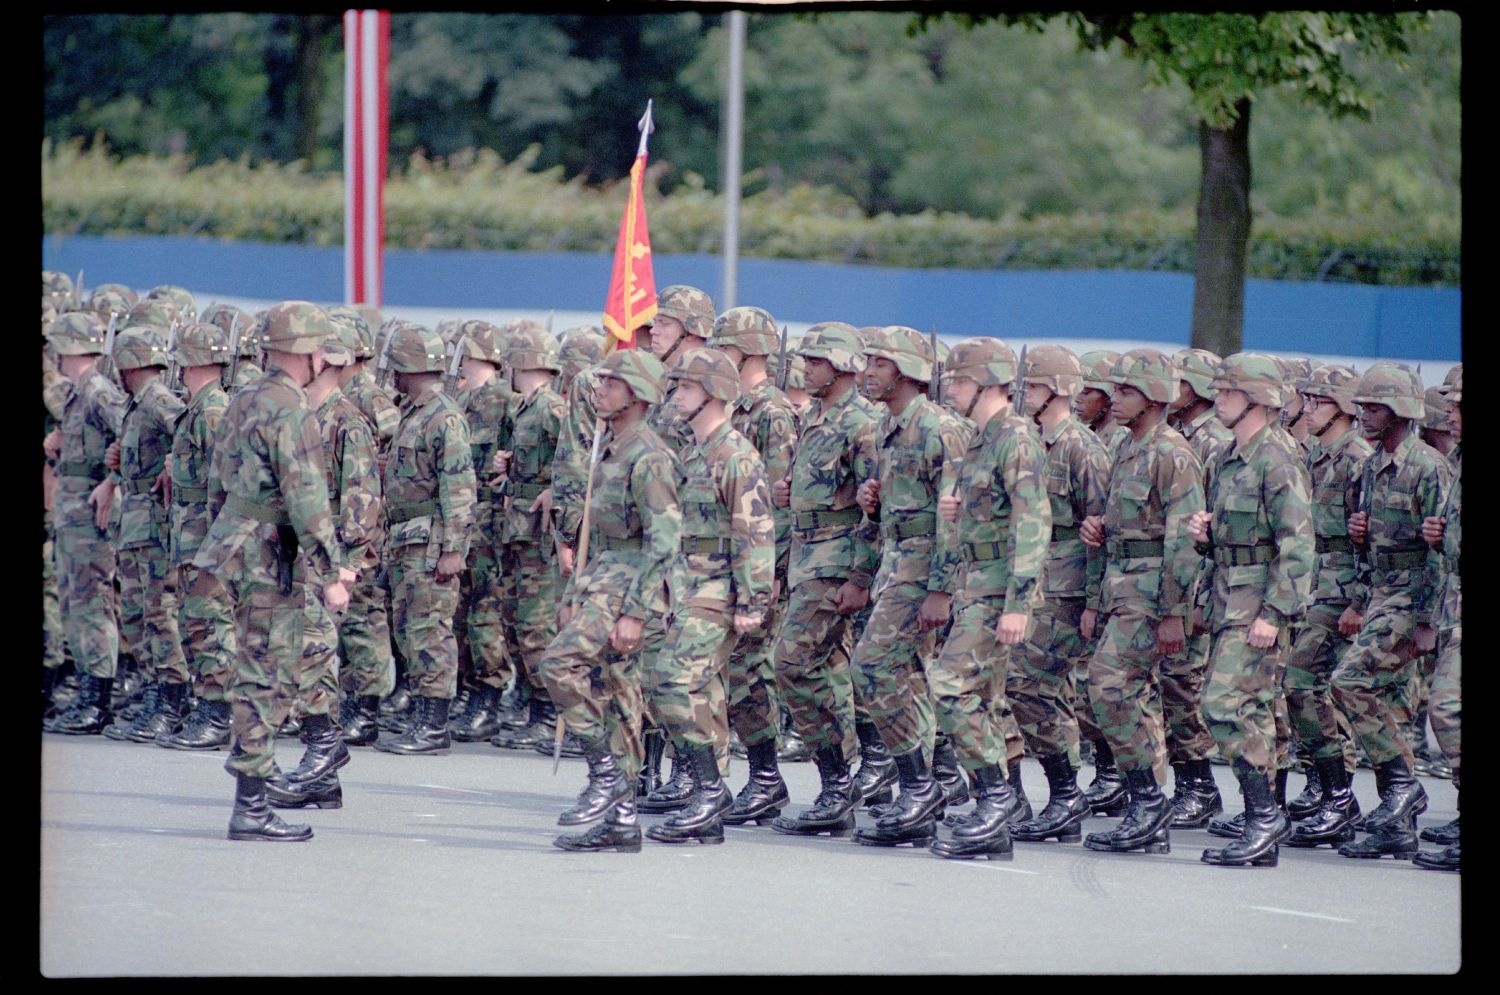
column 367, row 49
column 632, row 285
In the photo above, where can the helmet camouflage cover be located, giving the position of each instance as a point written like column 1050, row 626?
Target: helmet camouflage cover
column 838, row 343
column 1197, row 367
column 1394, row 386
column 295, row 327
column 361, row 340
column 1256, row 374
column 1096, row 369
column 908, row 348
column 689, row 305
column 1435, row 400
column 77, row 333
column 795, row 370
column 178, row 296
column 1055, row 366
column 140, row 346
column 158, row 312
column 484, row 340
column 415, row 349
column 532, row 349
column 751, row 330
column 1453, row 385
column 1149, row 371
column 987, row 361
column 1334, row 382
column 640, row 370
column 579, row 348
column 710, row 369
column 201, row 343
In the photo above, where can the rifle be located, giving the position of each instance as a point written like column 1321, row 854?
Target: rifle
column 578, row 564
column 935, row 388
column 450, row 379
column 173, row 367
column 1020, row 377
column 781, row 363
column 107, row 367
column 550, row 315
column 234, row 354
column 78, row 292
column 383, row 363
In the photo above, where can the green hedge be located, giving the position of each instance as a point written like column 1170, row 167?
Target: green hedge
column 478, row 201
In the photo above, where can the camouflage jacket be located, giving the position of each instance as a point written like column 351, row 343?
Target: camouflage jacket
column 353, row 481
column 1395, row 567
column 192, row 453
column 1260, row 552
column 667, row 422
column 487, row 409
column 1076, row 477
column 1155, row 486
column 375, row 403
column 56, row 390
column 570, row 461
column 1210, row 440
column 267, row 470
column 1004, row 517
column 915, row 451
column 145, row 441
column 763, row 415
column 835, row 453
column 536, row 424
column 245, row 374
column 90, row 422
column 635, row 526
column 1449, row 611
column 728, row 556
column 1332, row 468
column 1112, row 434
column 429, row 478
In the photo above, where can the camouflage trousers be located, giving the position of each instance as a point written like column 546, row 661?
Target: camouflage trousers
column 1239, row 701
column 596, row 690
column 754, row 702
column 87, row 599
column 1183, row 676
column 422, row 610
column 317, row 676
column 483, row 623
column 534, row 585
column 148, row 613
column 54, row 642
column 966, row 680
column 1124, row 691
column 365, row 638
column 1083, row 708
column 1320, row 728
column 1371, row 683
column 813, row 675
column 685, row 684
column 1041, row 685
column 206, row 621
column 1445, row 703
column 888, row 672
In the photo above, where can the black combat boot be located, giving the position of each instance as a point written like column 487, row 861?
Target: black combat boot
column 913, row 817
column 1393, row 839
column 171, row 708
column 360, row 718
column 1023, row 804
column 945, row 771
column 1063, row 816
column 607, row 785
column 325, row 751
column 90, row 713
column 1440, row 860
column 51, row 677
column 480, row 719
column 323, row 792
column 398, row 710
column 1282, row 773
column 206, row 728
column 619, row 831
column 1106, row 794
column 1265, row 825
column 1333, row 822
column 569, row 747
column 1147, row 819
column 876, row 778
column 1401, row 794
column 833, row 810
column 984, row 833
column 291, row 728
column 1447, row 833
column 649, row 778
column 764, row 794
column 675, row 792
column 514, row 713
column 253, row 818
column 1311, row 799
column 126, row 724
column 791, row 749
column 428, row 732
column 539, row 728
column 1195, row 798
column 701, row 820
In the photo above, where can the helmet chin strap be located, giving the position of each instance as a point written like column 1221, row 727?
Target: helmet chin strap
column 1241, row 416
column 968, row 411
column 672, row 348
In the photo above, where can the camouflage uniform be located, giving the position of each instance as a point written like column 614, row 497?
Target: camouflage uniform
column 56, row 390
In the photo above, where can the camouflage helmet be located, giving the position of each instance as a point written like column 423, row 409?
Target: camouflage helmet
column 140, row 346
column 254, row 335
column 1294, row 368
column 158, row 312
column 1435, row 401
column 838, row 343
column 1455, row 373
column 1197, row 367
column 640, row 370
column 342, row 345
column 361, row 341
column 111, row 298
column 1256, row 374
column 484, row 340
column 1149, row 371
column 751, row 330
column 1394, row 386
column 56, row 285
column 77, row 333
column 1334, row 382
column 532, row 349
column 942, row 351
column 578, row 349
column 689, row 305
column 201, row 343
column 415, row 349
column 178, row 296
column 1056, row 366
column 796, row 371
column 295, row 327
column 987, row 361
column 710, row 369
column 1096, row 369
column 1453, row 390
column 117, row 289
column 908, row 348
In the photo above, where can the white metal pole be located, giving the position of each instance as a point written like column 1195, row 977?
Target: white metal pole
column 734, row 139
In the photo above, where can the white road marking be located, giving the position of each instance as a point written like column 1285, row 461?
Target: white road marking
column 990, row 864
column 1294, row 912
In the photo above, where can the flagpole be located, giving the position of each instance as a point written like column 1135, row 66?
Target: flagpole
column 734, row 141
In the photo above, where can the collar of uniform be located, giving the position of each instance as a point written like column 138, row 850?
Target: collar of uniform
column 285, row 379
column 895, row 423
column 423, row 397
column 1191, row 427
column 1050, row 437
column 717, row 435
column 1243, row 451
column 615, row 442
column 330, row 401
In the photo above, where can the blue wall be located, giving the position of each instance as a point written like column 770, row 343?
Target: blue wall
column 1321, row 318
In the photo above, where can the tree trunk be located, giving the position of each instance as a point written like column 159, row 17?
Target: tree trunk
column 1223, row 235
column 311, row 44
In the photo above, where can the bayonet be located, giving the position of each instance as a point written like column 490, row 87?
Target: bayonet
column 172, row 365
column 550, row 315
column 233, row 366
column 450, row 382
column 78, row 292
column 935, row 388
column 383, row 363
column 1020, row 378
column 782, row 370
column 108, row 366
column 579, row 561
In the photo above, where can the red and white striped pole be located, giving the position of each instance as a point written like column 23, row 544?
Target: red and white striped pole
column 367, row 49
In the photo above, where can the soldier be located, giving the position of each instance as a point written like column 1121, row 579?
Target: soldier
column 1003, row 521
column 1334, row 463
column 268, row 492
column 762, row 414
column 591, row 669
column 1402, row 484
column 181, row 299
column 58, row 290
column 1258, row 528
column 917, row 444
column 1091, row 403
column 429, row 507
column 359, row 385
column 725, row 576
column 1444, row 533
column 1076, row 475
column 831, row 568
column 1155, row 486
column 56, row 389
column 110, row 298
column 1294, row 370
column 85, row 554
